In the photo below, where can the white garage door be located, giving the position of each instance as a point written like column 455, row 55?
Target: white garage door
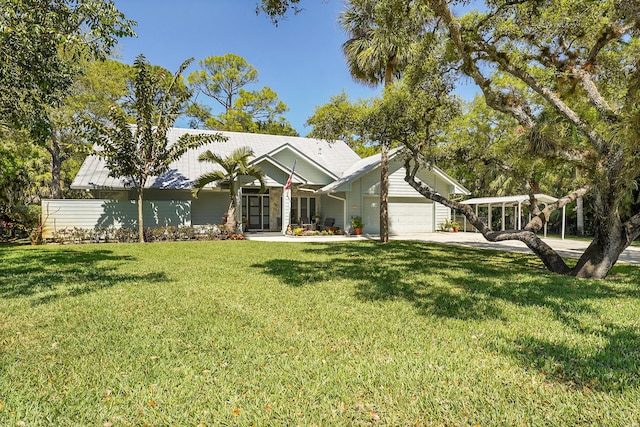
column 410, row 215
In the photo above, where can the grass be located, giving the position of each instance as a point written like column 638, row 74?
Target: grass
column 257, row 333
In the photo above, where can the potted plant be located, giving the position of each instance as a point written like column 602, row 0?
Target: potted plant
column 357, row 225
column 449, row 225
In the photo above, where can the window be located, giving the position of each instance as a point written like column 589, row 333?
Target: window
column 302, row 209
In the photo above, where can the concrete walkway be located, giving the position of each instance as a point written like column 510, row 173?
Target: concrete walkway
column 566, row 248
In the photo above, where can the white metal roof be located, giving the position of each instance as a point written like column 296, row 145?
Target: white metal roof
column 334, row 157
column 509, row 200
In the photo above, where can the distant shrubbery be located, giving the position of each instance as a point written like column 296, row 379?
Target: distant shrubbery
column 130, row 235
column 330, row 231
column 19, row 222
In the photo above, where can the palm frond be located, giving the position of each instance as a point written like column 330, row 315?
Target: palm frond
column 206, row 179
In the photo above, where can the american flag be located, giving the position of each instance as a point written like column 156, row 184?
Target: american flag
column 287, row 186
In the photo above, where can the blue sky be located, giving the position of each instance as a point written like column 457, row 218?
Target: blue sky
column 301, row 59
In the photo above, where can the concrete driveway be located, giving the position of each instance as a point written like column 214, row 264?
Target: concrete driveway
column 566, row 248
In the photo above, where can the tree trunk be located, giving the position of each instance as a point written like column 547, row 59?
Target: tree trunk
column 595, row 263
column 612, row 237
column 580, row 216
column 600, row 256
column 56, row 168
column 232, row 222
column 384, row 167
column 384, row 193
column 140, row 216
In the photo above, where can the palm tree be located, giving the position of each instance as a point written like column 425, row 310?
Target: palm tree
column 378, row 49
column 233, row 167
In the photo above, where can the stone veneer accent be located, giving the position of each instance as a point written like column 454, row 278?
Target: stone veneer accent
column 275, row 201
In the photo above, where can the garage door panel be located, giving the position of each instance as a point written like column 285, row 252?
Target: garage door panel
column 410, row 217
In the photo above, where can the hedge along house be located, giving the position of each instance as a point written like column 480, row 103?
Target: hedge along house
column 329, row 180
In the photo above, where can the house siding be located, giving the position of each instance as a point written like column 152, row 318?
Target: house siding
column 333, row 208
column 275, row 177
column 91, row 213
column 304, row 169
column 409, row 211
column 443, row 213
column 209, row 207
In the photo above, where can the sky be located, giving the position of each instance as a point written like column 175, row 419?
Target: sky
column 300, row 59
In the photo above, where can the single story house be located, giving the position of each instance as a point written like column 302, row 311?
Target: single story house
column 329, row 180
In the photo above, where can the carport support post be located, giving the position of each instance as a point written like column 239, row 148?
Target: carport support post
column 503, row 205
column 519, row 215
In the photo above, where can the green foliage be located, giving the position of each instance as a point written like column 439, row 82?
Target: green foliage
column 341, row 119
column 142, row 151
column 22, row 170
column 234, row 166
column 381, row 36
column 41, row 44
column 224, row 78
column 136, row 153
column 278, row 9
column 338, row 334
column 356, row 222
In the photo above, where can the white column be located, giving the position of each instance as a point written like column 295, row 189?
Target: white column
column 489, row 216
column 503, row 216
column 239, row 224
column 519, row 215
column 286, row 209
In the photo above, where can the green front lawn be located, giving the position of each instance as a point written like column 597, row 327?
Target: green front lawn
column 256, row 333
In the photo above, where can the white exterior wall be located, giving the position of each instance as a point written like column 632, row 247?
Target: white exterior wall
column 409, row 211
column 333, row 208
column 91, row 213
column 303, row 168
column 443, row 213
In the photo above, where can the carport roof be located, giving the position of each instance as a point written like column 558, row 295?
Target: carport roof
column 509, row 200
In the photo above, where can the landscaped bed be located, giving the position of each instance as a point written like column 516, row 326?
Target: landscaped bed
column 346, row 333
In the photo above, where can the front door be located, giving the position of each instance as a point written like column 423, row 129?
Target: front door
column 255, row 210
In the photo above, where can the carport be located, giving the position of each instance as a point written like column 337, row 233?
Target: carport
column 511, row 202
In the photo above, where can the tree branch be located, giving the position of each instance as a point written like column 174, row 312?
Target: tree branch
column 542, row 217
column 607, row 36
column 602, row 106
column 633, row 228
column 547, row 255
column 552, row 98
column 493, row 98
